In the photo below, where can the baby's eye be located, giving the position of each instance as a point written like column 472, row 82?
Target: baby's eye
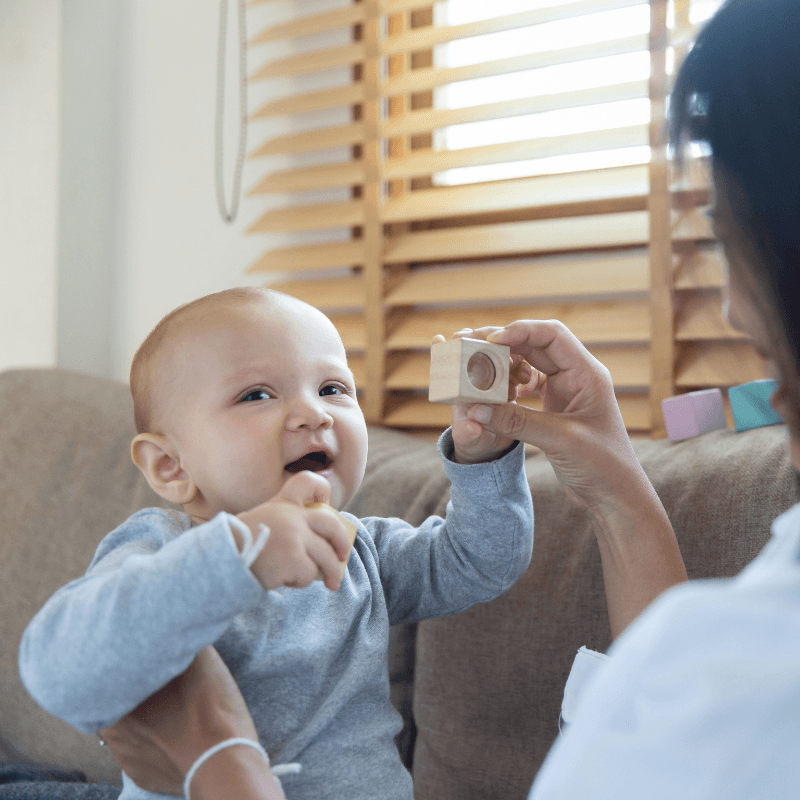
column 332, row 389
column 256, row 394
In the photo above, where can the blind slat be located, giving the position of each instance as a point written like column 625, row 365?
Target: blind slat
column 311, row 257
column 588, row 274
column 431, row 161
column 717, row 364
column 310, row 217
column 700, row 317
column 328, row 294
column 325, row 176
column 700, row 270
column 321, row 139
column 592, row 322
column 541, row 236
column 314, row 61
column 311, row 101
column 434, row 119
column 309, row 24
column 352, row 330
column 620, row 184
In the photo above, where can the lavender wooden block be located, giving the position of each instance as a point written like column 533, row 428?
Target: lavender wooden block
column 694, row 413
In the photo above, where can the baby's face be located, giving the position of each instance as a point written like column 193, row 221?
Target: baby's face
column 259, row 394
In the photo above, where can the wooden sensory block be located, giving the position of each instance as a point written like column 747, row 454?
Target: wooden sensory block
column 352, row 529
column 750, row 404
column 469, row 371
column 694, row 413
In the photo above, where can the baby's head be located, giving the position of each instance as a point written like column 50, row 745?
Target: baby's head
column 235, row 392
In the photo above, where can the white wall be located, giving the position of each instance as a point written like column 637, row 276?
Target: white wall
column 140, row 232
column 91, row 134
column 30, row 50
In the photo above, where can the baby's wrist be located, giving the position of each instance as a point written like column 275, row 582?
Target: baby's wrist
column 481, row 458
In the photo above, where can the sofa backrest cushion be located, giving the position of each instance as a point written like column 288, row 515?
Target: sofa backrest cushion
column 66, row 480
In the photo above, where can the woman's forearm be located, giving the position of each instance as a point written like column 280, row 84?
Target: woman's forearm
column 638, row 550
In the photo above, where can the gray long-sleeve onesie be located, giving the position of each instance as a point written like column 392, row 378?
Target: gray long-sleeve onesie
column 310, row 663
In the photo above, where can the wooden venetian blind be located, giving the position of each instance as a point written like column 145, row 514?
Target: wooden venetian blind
column 404, row 230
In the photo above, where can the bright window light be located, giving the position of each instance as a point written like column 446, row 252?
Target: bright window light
column 554, row 165
column 550, row 123
column 584, row 30
column 549, row 80
column 557, row 79
column 702, row 11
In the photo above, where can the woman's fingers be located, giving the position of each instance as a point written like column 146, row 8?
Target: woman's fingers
column 547, row 345
column 539, row 428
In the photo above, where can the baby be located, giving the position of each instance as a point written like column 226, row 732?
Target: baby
column 247, row 414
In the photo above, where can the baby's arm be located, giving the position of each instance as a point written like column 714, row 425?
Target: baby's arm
column 151, row 600
column 156, row 594
column 473, row 555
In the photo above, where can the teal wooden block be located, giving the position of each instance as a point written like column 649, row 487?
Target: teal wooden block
column 750, row 405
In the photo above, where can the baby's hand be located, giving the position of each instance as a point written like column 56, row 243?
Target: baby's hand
column 473, row 444
column 303, row 541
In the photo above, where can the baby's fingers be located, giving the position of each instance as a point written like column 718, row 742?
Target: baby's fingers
column 330, row 548
column 332, row 526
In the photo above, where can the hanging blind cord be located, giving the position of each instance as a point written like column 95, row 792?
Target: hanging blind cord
column 230, row 216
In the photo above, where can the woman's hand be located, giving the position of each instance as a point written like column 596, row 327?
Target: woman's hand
column 580, row 430
column 580, row 425
column 157, row 743
column 472, row 443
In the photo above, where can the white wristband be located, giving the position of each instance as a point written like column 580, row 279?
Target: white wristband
column 258, row 545
column 250, row 549
column 215, row 749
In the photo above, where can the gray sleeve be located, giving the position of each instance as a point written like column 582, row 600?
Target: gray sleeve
column 474, row 555
column 150, row 601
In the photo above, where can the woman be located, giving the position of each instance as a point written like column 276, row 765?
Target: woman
column 700, row 697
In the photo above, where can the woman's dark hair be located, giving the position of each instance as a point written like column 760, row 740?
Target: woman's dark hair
column 739, row 90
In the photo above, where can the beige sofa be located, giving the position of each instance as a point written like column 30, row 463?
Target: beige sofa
column 480, row 691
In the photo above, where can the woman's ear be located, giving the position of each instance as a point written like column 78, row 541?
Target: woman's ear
column 159, row 462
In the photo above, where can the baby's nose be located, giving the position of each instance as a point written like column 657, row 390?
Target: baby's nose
column 309, row 412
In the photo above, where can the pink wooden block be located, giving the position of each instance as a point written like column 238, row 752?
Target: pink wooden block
column 694, row 413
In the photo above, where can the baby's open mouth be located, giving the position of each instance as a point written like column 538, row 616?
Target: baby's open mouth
column 315, row 462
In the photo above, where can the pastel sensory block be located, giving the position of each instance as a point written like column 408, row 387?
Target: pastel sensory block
column 469, row 371
column 750, row 405
column 694, row 413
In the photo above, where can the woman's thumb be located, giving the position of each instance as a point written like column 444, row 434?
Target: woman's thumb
column 514, row 421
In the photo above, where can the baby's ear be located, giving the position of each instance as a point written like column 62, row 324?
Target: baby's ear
column 159, row 462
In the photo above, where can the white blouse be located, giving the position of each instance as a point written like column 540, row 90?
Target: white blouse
column 698, row 698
